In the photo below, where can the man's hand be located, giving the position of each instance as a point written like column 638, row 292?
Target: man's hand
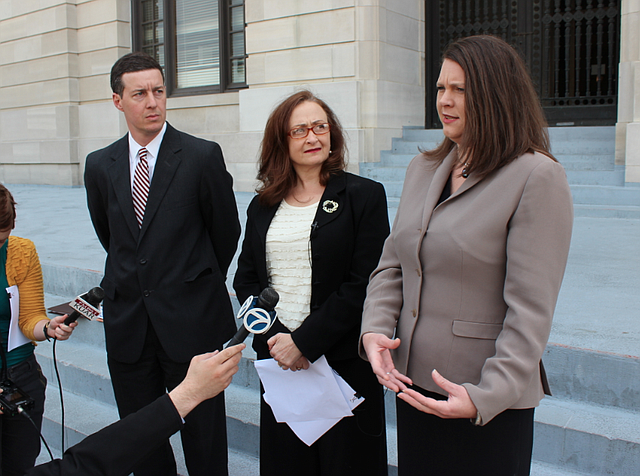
column 208, row 375
column 377, row 347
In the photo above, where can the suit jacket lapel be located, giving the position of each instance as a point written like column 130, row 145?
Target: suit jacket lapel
column 166, row 166
column 120, row 174
column 332, row 202
column 438, row 182
column 261, row 222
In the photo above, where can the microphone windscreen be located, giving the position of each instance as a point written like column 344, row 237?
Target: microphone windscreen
column 95, row 296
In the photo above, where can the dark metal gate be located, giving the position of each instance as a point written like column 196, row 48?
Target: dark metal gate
column 570, row 46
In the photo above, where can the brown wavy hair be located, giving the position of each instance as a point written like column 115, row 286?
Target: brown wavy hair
column 7, row 209
column 276, row 173
column 503, row 115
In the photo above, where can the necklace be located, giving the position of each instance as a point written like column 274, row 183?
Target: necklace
column 301, row 201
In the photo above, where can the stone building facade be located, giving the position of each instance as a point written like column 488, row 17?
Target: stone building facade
column 366, row 58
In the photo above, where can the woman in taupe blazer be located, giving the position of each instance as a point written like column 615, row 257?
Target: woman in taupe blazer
column 459, row 309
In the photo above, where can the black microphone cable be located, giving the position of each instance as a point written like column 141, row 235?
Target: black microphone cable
column 55, row 367
column 24, row 413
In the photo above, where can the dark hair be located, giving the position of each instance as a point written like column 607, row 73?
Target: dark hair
column 7, row 209
column 503, row 115
column 130, row 63
column 276, row 172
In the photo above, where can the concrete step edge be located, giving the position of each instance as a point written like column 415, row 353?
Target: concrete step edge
column 83, row 416
column 601, row 378
column 606, row 422
column 82, row 369
column 587, row 438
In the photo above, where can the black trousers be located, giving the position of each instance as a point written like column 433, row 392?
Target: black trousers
column 19, row 439
column 430, row 445
column 356, row 445
column 204, row 436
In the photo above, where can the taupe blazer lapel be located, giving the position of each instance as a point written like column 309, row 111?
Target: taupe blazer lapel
column 434, row 191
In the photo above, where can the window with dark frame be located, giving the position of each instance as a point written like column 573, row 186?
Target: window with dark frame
column 199, row 43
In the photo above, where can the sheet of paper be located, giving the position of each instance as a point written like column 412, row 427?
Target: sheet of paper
column 16, row 337
column 310, row 401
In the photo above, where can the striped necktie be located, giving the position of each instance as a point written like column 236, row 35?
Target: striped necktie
column 141, row 185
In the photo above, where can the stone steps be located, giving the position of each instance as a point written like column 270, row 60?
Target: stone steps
column 586, row 437
column 592, row 425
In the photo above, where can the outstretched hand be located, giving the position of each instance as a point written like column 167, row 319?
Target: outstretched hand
column 457, row 405
column 378, row 348
column 207, row 376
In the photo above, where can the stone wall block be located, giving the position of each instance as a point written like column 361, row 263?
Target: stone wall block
column 403, row 31
column 259, row 10
column 100, row 120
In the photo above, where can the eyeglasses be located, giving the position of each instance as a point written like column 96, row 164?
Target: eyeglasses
column 303, row 131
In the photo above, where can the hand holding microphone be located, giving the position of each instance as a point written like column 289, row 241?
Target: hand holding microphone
column 258, row 315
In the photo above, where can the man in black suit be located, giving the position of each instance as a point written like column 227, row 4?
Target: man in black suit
column 162, row 205
column 114, row 450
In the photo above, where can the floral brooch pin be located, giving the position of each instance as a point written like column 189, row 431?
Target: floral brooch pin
column 329, row 206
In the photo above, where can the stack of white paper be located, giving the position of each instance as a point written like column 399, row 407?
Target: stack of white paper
column 309, row 401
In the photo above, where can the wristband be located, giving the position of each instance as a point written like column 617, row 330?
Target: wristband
column 45, row 329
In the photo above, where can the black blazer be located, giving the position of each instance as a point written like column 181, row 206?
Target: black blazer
column 345, row 248
column 173, row 269
column 118, row 448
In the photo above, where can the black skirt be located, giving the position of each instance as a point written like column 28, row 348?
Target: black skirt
column 356, row 445
column 430, row 445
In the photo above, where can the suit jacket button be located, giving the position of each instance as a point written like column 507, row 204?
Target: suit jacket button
column 143, row 261
column 414, row 312
column 146, row 293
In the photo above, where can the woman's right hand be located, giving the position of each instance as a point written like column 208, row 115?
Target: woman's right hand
column 377, row 347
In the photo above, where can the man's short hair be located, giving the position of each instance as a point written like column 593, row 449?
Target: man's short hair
column 130, row 63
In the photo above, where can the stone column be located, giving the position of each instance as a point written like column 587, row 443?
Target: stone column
column 628, row 126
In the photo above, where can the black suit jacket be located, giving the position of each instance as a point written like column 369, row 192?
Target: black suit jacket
column 345, row 247
column 173, row 269
column 116, row 449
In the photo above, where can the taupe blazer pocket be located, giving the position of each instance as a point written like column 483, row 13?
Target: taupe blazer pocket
column 476, row 330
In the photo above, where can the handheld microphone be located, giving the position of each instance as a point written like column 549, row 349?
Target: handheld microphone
column 87, row 305
column 258, row 315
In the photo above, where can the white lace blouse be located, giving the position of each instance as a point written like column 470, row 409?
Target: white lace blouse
column 288, row 254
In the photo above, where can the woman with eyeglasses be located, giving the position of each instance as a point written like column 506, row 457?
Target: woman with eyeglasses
column 315, row 233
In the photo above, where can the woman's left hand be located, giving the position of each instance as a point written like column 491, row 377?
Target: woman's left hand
column 59, row 330
column 284, row 350
column 458, row 405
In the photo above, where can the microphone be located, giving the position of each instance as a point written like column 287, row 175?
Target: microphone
column 258, row 315
column 87, row 305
